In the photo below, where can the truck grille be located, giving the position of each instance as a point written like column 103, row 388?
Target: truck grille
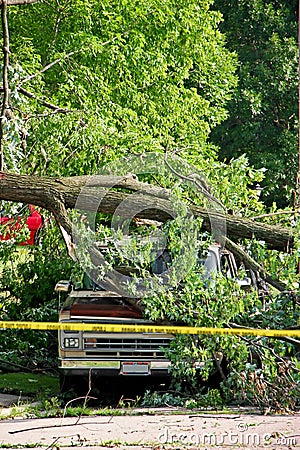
column 122, row 346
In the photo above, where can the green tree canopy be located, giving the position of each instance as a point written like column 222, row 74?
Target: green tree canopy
column 124, row 76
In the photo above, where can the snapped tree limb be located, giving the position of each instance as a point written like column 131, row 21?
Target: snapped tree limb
column 250, row 263
column 152, row 202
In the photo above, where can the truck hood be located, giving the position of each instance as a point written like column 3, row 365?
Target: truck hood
column 102, row 304
column 104, row 311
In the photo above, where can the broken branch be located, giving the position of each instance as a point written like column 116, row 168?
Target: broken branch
column 152, row 202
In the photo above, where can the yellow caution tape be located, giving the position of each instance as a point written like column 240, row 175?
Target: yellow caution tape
column 123, row 328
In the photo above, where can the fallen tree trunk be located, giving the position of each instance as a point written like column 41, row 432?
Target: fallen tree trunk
column 151, row 202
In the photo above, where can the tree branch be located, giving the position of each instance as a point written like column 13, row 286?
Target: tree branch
column 194, row 178
column 58, row 60
column 48, row 66
column 152, row 202
column 288, row 339
column 44, row 102
column 250, row 263
column 291, row 212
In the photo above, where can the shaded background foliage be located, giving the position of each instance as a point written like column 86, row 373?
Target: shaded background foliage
column 263, row 113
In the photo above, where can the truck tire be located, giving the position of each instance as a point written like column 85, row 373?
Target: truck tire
column 73, row 383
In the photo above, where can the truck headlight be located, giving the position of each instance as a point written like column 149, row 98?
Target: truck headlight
column 71, row 342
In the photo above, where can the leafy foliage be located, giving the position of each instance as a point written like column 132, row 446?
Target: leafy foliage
column 132, row 76
column 262, row 119
column 156, row 399
column 93, row 82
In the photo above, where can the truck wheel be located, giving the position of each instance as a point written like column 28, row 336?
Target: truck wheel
column 77, row 384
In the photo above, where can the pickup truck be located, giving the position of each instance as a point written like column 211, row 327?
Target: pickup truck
column 119, row 355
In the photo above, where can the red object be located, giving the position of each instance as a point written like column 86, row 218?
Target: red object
column 34, row 222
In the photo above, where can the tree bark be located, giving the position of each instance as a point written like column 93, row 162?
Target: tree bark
column 151, row 202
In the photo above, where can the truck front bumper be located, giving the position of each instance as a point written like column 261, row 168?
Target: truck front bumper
column 115, row 368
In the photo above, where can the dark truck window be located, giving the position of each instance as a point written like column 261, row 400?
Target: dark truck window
column 226, row 266
column 161, row 264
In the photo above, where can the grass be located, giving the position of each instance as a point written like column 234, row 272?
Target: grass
column 16, row 446
column 53, row 408
column 46, row 401
column 27, row 384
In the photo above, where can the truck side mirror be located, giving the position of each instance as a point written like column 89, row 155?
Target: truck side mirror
column 63, row 286
column 245, row 282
